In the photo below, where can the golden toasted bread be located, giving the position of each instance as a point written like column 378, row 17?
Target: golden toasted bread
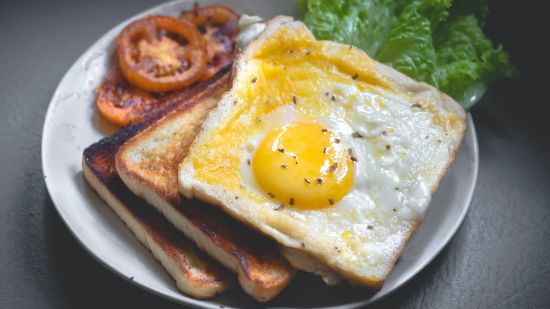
column 396, row 135
column 195, row 273
column 148, row 164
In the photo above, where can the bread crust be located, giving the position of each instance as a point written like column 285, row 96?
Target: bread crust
column 195, row 273
column 148, row 164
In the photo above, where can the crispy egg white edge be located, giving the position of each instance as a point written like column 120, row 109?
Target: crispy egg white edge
column 219, row 196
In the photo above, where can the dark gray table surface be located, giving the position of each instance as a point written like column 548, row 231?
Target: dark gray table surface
column 499, row 258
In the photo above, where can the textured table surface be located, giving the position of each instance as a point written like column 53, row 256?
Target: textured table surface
column 499, row 258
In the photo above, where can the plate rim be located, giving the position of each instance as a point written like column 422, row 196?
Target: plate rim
column 187, row 300
column 461, row 217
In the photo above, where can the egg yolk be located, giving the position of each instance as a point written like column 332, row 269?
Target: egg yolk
column 304, row 166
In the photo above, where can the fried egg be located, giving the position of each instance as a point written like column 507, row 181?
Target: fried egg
column 325, row 150
column 297, row 161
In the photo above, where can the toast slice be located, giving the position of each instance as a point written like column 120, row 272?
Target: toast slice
column 148, row 165
column 396, row 137
column 195, row 273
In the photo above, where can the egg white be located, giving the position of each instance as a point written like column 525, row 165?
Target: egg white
column 379, row 180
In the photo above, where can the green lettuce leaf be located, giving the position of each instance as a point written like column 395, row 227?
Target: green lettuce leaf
column 440, row 42
column 467, row 62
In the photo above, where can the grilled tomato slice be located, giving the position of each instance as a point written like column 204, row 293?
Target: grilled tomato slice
column 219, row 27
column 161, row 53
column 122, row 103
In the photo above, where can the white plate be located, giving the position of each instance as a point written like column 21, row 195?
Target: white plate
column 72, row 123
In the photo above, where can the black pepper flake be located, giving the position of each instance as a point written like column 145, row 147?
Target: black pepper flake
column 331, row 201
column 291, row 201
column 284, row 166
column 394, row 209
column 326, row 93
column 384, row 133
column 235, row 102
column 416, row 105
column 236, row 197
column 281, row 150
column 439, row 141
column 307, row 180
column 294, row 99
column 388, row 147
column 426, row 137
column 350, row 151
column 333, row 167
column 324, row 149
column 396, row 188
column 308, row 53
column 248, row 161
column 354, row 77
column 332, row 98
column 370, row 227
column 354, row 159
column 271, row 195
column 290, row 51
column 319, row 181
column 258, row 119
column 303, row 245
column 337, row 140
column 337, row 250
column 350, row 47
column 324, row 130
column 254, row 79
column 281, row 207
column 356, row 135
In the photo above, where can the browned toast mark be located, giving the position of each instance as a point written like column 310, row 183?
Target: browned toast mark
column 196, row 274
column 263, row 271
